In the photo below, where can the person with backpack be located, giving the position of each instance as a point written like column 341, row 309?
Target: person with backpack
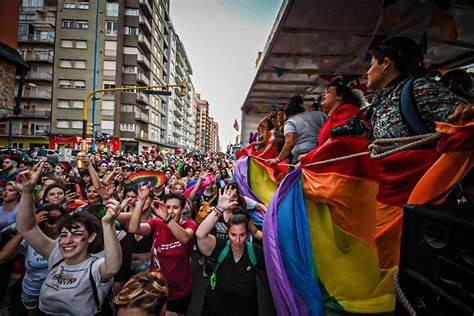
column 232, row 286
column 78, row 282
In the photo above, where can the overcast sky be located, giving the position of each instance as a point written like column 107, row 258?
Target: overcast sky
column 222, row 40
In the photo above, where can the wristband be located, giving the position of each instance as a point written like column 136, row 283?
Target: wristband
column 216, row 210
column 167, row 220
column 220, row 209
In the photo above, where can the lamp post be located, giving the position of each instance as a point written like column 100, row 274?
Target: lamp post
column 85, row 112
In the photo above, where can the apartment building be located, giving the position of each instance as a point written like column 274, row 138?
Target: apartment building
column 216, row 145
column 201, row 122
column 36, row 37
column 181, row 120
column 77, row 46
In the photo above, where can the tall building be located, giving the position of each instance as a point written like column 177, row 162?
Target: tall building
column 181, row 121
column 201, row 122
column 77, row 46
column 216, row 145
column 36, row 36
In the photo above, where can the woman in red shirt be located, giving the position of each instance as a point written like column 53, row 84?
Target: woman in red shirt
column 172, row 245
column 341, row 104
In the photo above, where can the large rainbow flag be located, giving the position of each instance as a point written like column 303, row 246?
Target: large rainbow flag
column 319, row 236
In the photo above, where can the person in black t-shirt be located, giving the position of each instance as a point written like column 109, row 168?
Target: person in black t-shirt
column 233, row 291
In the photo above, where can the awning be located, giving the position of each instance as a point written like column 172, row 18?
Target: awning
column 313, row 41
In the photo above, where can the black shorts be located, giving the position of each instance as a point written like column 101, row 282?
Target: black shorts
column 179, row 305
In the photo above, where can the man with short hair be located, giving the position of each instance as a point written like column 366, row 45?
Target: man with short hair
column 10, row 169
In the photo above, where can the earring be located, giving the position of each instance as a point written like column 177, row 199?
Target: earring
column 384, row 70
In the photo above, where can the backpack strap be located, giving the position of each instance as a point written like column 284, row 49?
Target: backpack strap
column 409, row 110
column 57, row 263
column 94, row 287
column 220, row 258
column 251, row 252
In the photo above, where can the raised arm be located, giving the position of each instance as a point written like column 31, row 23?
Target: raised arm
column 184, row 235
column 290, row 141
column 195, row 190
column 94, row 177
column 207, row 242
column 10, row 249
column 135, row 226
column 26, row 219
column 112, row 249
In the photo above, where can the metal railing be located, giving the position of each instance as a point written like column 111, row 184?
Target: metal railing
column 40, row 38
column 40, row 76
column 39, row 94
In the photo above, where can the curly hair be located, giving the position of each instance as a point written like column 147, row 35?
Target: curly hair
column 145, row 290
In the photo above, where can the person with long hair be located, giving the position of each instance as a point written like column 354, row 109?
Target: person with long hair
column 145, row 294
column 75, row 275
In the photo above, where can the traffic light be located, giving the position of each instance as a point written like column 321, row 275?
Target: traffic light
column 183, row 86
column 89, row 128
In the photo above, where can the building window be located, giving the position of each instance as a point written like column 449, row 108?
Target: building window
column 65, row 84
column 130, row 50
column 108, row 108
column 65, row 63
column 67, row 43
column 79, row 84
column 63, row 104
column 132, row 12
column 80, row 64
column 81, row 44
column 130, row 30
column 111, row 28
column 77, row 104
column 112, row 9
column 69, row 5
column 77, row 124
column 128, row 69
column 109, row 68
column 62, row 124
column 68, row 24
column 83, row 5
column 110, row 48
column 127, row 108
column 82, row 25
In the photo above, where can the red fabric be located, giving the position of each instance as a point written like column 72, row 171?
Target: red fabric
column 400, row 172
column 337, row 118
column 461, row 140
column 363, row 166
column 171, row 257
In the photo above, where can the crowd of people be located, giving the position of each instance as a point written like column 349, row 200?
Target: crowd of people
column 87, row 237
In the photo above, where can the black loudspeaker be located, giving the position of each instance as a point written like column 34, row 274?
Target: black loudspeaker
column 436, row 271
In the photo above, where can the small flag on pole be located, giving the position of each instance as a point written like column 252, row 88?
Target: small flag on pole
column 236, row 125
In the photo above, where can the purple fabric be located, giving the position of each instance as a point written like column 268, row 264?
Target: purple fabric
column 241, row 177
column 287, row 301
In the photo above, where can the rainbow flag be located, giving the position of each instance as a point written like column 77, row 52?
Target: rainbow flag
column 156, row 179
column 210, row 178
column 319, row 236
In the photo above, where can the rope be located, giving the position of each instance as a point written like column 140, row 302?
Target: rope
column 384, row 147
column 401, row 296
column 380, row 148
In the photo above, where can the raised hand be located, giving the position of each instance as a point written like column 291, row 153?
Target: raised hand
column 143, row 191
column 113, row 209
column 159, row 208
column 41, row 217
column 107, row 191
column 28, row 179
column 225, row 198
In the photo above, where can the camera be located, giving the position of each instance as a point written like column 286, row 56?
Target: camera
column 353, row 126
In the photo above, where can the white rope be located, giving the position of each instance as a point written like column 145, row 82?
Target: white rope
column 384, row 147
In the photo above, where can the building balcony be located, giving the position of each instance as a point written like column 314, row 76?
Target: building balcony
column 36, row 94
column 176, row 132
column 178, row 122
column 37, row 38
column 144, row 42
column 142, row 60
column 142, row 20
column 142, row 98
column 46, row 114
column 39, row 57
column 27, row 132
column 42, row 9
column 140, row 116
column 43, row 76
column 177, row 112
column 145, row 5
column 143, row 79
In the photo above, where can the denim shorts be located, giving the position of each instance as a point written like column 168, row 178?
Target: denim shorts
column 30, row 301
